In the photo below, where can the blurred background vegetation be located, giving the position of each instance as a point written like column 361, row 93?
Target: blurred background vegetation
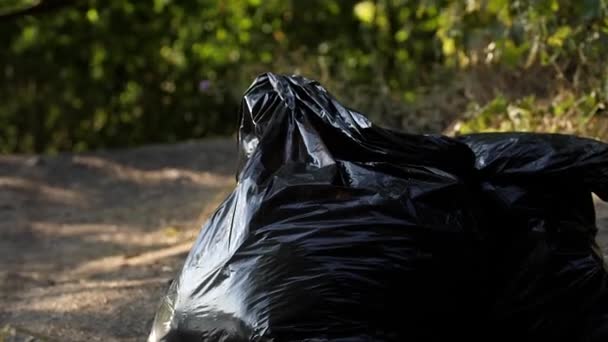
column 78, row 75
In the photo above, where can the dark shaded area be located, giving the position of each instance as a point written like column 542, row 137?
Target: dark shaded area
column 548, row 279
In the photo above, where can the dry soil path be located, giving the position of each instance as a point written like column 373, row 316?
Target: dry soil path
column 88, row 242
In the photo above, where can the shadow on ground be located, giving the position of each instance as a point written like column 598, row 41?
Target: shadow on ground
column 89, row 242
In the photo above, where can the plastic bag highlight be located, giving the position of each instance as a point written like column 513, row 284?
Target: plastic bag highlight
column 339, row 230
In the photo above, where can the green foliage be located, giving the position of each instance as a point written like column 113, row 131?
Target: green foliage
column 97, row 74
column 565, row 113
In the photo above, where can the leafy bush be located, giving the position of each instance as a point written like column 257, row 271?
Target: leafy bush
column 79, row 75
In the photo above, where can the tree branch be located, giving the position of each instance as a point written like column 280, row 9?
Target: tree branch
column 42, row 7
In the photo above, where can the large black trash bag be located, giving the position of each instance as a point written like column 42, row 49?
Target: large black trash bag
column 548, row 279
column 337, row 230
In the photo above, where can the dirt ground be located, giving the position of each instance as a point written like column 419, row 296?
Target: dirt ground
column 89, row 242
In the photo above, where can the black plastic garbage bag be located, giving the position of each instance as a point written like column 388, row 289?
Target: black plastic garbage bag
column 547, row 275
column 337, row 230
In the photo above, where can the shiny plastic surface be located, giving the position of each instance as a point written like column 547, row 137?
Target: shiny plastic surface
column 339, row 230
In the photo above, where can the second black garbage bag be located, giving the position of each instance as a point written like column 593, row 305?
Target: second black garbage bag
column 547, row 275
column 337, row 230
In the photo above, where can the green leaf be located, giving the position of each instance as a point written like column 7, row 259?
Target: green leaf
column 448, row 45
column 559, row 36
column 92, row 15
column 365, row 11
column 402, row 35
column 495, row 6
